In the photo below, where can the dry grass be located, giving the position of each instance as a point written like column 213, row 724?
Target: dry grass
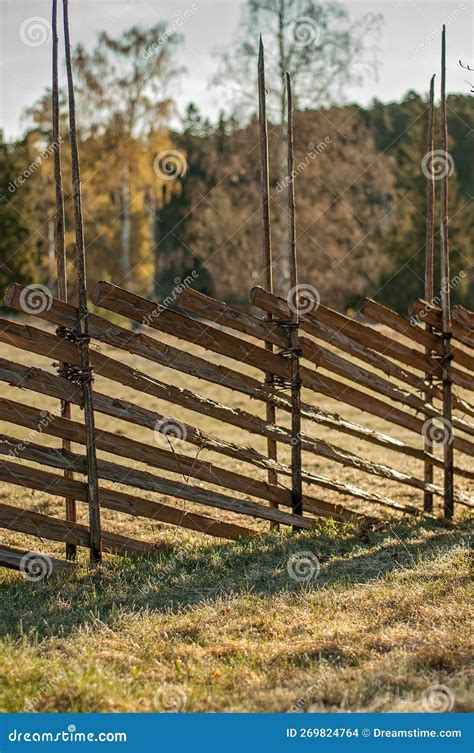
column 222, row 626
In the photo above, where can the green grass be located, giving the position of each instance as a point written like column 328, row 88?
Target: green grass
column 211, row 626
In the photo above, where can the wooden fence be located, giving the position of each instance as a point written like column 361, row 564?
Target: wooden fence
column 367, row 368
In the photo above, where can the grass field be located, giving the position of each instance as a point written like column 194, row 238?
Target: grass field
column 219, row 626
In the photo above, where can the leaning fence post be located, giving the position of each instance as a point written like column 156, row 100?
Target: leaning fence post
column 60, row 251
column 82, row 324
column 429, row 284
column 266, row 248
column 296, row 479
column 446, row 302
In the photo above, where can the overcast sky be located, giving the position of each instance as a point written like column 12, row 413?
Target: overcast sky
column 409, row 45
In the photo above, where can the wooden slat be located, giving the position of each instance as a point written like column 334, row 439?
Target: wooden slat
column 52, row 484
column 139, row 451
column 32, row 418
column 110, row 498
column 54, row 386
column 356, row 398
column 13, row 558
column 229, row 316
column 146, row 481
column 464, row 318
column 44, row 526
column 145, row 312
column 432, row 315
column 361, row 333
column 43, row 343
column 36, row 341
column 383, row 315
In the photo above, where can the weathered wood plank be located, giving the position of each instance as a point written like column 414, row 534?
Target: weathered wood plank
column 32, row 418
column 120, row 501
column 46, row 383
column 149, row 348
column 144, row 480
column 44, row 526
column 432, row 314
column 383, row 315
column 14, row 559
column 153, row 315
column 361, row 333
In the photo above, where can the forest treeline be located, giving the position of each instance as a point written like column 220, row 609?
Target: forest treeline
column 162, row 205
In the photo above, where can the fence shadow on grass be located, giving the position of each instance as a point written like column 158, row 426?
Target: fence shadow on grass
column 191, row 575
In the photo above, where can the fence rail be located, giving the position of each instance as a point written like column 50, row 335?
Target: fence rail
column 341, row 358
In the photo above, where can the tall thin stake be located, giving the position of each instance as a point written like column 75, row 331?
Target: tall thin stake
column 266, row 246
column 60, row 249
column 446, row 301
column 83, row 329
column 296, row 480
column 429, row 283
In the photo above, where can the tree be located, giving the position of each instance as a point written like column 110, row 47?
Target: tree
column 18, row 216
column 404, row 237
column 322, row 50
column 123, row 88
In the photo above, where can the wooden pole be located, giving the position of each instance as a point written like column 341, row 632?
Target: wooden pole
column 82, row 324
column 60, row 250
column 446, row 302
column 266, row 245
column 429, row 287
column 296, row 485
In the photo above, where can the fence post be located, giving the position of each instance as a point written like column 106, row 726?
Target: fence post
column 446, row 302
column 60, row 251
column 429, row 285
column 82, row 333
column 266, row 249
column 296, row 480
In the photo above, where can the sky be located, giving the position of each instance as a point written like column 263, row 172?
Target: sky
column 409, row 44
